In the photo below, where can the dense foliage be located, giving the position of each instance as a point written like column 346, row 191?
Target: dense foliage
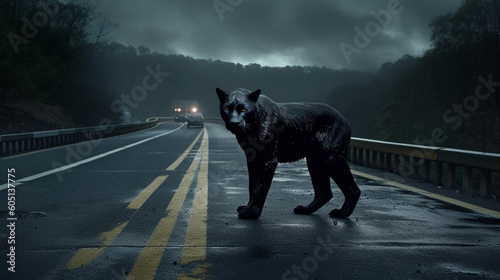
column 45, row 47
column 450, row 96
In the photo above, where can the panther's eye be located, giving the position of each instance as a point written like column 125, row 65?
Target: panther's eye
column 243, row 110
column 226, row 109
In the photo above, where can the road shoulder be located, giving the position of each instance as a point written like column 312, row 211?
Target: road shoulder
column 388, row 178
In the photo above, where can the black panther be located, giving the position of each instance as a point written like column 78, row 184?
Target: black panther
column 271, row 132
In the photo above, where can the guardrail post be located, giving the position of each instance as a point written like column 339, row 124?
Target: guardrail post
column 397, row 164
column 450, row 180
column 355, row 152
column 414, row 164
column 401, row 164
column 438, row 180
column 467, row 179
column 388, row 163
column 427, row 170
column 485, row 187
column 383, row 161
column 375, row 160
column 360, row 156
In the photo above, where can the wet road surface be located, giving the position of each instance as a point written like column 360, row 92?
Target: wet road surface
column 166, row 209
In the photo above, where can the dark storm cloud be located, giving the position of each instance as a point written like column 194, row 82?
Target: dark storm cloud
column 279, row 33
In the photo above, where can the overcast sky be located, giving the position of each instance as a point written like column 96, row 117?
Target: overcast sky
column 350, row 34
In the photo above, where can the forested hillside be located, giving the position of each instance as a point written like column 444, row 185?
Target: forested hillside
column 60, row 54
column 450, row 96
column 117, row 73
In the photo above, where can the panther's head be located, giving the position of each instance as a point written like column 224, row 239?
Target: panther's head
column 238, row 108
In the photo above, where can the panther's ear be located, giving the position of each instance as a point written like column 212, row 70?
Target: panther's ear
column 254, row 95
column 222, row 95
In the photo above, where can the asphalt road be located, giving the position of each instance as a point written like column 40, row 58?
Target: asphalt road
column 161, row 204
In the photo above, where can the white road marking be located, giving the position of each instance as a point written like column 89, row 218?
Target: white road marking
column 69, row 166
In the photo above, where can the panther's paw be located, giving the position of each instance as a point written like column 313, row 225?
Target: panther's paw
column 301, row 210
column 249, row 213
column 241, row 208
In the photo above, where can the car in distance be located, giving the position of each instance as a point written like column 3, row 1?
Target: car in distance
column 195, row 119
column 181, row 117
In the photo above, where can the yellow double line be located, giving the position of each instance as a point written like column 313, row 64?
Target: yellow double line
column 196, row 235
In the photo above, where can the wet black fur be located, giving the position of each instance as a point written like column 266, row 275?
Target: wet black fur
column 271, row 132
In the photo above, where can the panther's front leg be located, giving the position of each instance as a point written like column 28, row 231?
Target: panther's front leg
column 258, row 195
column 254, row 170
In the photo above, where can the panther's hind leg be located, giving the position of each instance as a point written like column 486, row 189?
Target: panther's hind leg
column 321, row 184
column 341, row 174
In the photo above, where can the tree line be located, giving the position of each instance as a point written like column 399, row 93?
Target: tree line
column 45, row 47
column 450, row 96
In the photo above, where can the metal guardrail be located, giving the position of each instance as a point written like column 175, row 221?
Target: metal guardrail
column 24, row 142
column 472, row 170
column 160, row 119
column 31, row 141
